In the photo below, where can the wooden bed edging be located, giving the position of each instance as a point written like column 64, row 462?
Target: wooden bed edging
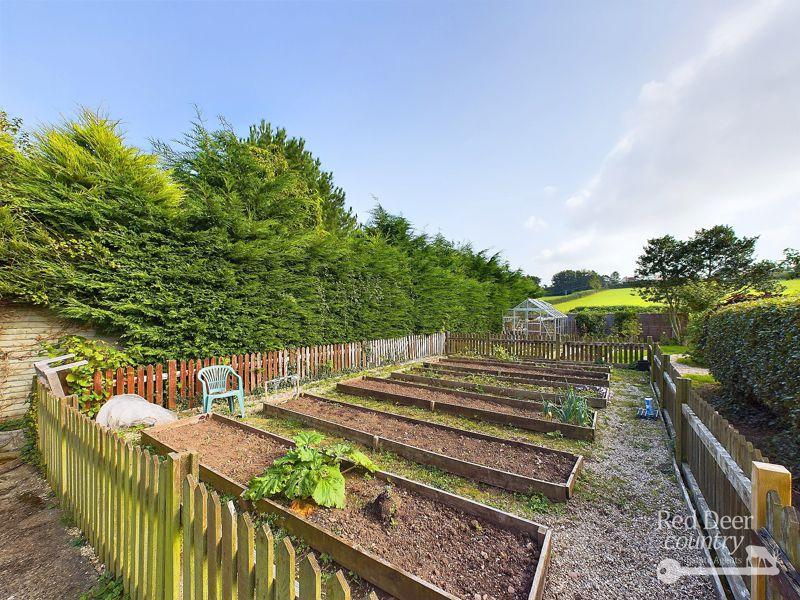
column 454, row 370
column 565, row 380
column 391, row 579
column 594, row 401
column 556, row 362
column 513, row 402
column 559, row 492
column 568, row 430
column 447, row 370
column 531, row 367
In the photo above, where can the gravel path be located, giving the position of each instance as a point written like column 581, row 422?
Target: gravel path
column 607, row 542
column 688, row 369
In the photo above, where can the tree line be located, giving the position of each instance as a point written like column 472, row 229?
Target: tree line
column 223, row 243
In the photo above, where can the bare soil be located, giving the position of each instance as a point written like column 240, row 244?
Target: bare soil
column 39, row 559
column 234, row 452
column 444, row 397
column 535, row 367
column 462, row 554
column 515, row 370
column 488, row 378
column 526, row 461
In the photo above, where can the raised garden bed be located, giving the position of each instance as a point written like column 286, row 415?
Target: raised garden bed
column 517, row 379
column 506, row 411
column 440, row 546
column 509, row 464
column 550, row 369
column 544, row 362
column 594, row 400
column 542, row 375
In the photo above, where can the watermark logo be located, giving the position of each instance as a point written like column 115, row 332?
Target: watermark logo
column 683, row 534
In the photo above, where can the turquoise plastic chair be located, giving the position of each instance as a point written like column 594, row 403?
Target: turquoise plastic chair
column 215, row 387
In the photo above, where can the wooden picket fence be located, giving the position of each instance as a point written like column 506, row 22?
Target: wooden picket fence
column 560, row 347
column 154, row 527
column 719, row 465
column 176, row 380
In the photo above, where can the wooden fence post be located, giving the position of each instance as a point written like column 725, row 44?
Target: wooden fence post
column 765, row 478
column 650, row 356
column 683, row 388
column 662, row 385
column 171, row 383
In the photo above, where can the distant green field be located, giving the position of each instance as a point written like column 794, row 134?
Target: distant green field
column 792, row 287
column 627, row 297
column 616, row 297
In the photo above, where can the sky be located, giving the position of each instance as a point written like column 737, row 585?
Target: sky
column 563, row 134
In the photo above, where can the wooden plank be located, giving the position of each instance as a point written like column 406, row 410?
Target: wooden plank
column 200, row 556
column 717, row 452
column 187, row 523
column 265, row 559
column 245, row 556
column 171, row 383
column 214, row 546
column 285, row 570
column 171, row 487
column 229, row 552
column 337, row 588
column 310, row 579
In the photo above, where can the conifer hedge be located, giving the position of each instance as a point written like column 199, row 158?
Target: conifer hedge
column 222, row 244
column 753, row 350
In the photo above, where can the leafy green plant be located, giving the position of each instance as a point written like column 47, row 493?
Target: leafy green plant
column 751, row 349
column 501, row 353
column 309, row 470
column 99, row 356
column 107, row 588
column 572, row 408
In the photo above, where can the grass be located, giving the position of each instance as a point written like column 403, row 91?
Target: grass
column 673, row 349
column 615, row 297
column 627, row 296
column 701, row 378
column 792, row 287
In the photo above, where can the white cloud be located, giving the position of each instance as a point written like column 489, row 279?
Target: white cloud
column 715, row 141
column 549, row 191
column 535, row 223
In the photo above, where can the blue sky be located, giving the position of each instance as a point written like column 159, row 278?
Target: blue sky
column 562, row 133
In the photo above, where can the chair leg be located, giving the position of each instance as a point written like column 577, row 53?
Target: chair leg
column 241, row 404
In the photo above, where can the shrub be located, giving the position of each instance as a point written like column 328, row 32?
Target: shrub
column 99, row 356
column 590, row 323
column 571, row 408
column 626, row 323
column 753, row 350
column 309, row 471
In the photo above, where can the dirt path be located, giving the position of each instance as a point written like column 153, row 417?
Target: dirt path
column 608, row 542
column 39, row 559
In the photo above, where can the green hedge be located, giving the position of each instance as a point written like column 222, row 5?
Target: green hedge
column 223, row 244
column 753, row 350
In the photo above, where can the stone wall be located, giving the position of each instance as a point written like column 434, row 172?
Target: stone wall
column 23, row 329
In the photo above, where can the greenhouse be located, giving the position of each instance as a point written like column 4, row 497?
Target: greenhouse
column 535, row 317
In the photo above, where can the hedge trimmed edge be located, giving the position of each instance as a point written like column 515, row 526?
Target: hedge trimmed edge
column 753, row 350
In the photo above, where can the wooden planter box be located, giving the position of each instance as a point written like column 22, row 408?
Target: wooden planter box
column 540, row 377
column 397, row 582
column 550, row 369
column 458, row 372
column 559, row 492
column 594, row 401
column 568, row 430
column 550, row 362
